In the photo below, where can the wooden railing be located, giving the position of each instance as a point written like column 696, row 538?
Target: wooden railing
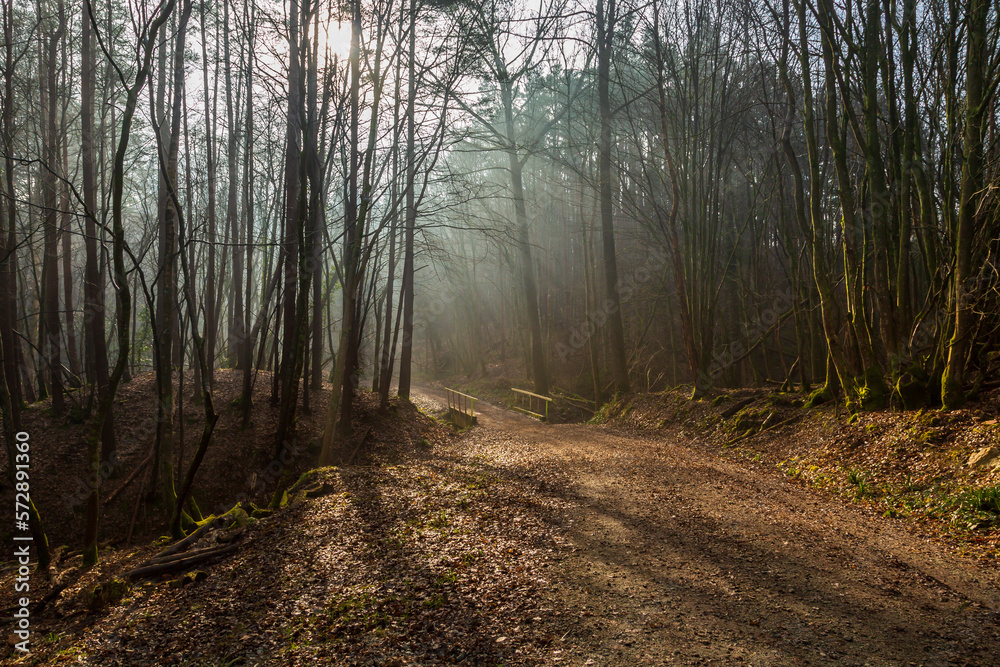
column 461, row 407
column 532, row 400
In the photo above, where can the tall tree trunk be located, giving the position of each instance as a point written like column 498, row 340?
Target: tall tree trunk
column 246, row 363
column 51, row 340
column 120, row 283
column 879, row 199
column 211, row 315
column 605, row 44
column 406, row 349
column 8, row 216
column 72, row 355
column 167, row 287
column 290, row 247
column 237, row 336
column 95, row 336
column 862, row 380
column 908, row 172
column 297, row 131
column 538, row 369
column 976, row 98
column 389, row 348
column 352, row 240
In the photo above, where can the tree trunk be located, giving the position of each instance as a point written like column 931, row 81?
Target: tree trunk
column 605, row 42
column 95, row 336
column 51, row 340
column 8, row 231
column 406, row 350
column 120, row 283
column 237, row 336
column 976, row 59
column 246, row 363
column 538, row 369
column 211, row 316
column 167, row 285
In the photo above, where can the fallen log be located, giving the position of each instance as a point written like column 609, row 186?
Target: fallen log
column 156, row 560
column 181, row 545
column 156, row 569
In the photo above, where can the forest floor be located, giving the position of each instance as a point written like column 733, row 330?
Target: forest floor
column 683, row 551
column 669, row 535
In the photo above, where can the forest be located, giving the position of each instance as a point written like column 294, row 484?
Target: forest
column 327, row 202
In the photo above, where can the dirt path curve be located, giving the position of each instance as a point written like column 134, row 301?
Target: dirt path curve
column 680, row 556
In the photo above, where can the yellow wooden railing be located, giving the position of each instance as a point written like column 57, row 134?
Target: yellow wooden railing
column 461, row 408
column 532, row 400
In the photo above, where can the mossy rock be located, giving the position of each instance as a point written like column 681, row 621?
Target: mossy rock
column 720, row 399
column 107, row 594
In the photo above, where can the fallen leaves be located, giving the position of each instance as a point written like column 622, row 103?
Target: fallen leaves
column 415, row 556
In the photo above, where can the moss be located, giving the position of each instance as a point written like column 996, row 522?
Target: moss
column 278, row 500
column 188, row 578
column 929, row 419
column 195, row 510
column 749, row 421
column 300, row 482
column 822, row 395
column 605, row 414
column 870, row 390
column 952, row 395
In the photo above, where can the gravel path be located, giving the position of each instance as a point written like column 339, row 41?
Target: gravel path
column 676, row 555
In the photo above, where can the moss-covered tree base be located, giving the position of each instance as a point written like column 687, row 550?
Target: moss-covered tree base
column 870, row 391
column 952, row 395
column 820, row 396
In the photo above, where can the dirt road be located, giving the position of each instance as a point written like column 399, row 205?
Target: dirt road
column 679, row 556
